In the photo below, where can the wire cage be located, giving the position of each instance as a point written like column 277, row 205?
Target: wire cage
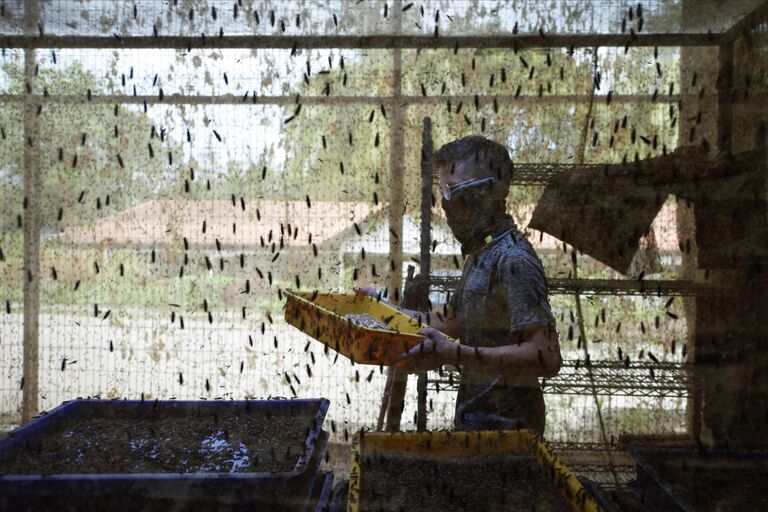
column 168, row 168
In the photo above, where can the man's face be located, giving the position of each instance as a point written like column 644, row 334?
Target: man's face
column 453, row 175
column 470, row 211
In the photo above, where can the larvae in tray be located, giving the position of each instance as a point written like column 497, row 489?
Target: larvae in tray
column 366, row 320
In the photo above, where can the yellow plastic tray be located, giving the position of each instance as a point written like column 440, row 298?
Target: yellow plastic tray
column 322, row 317
column 466, row 444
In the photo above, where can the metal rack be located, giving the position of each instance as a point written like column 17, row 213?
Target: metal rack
column 602, row 473
column 609, row 378
column 560, row 286
column 608, row 465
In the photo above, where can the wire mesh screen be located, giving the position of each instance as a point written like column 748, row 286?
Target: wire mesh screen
column 749, row 87
column 182, row 186
column 306, row 17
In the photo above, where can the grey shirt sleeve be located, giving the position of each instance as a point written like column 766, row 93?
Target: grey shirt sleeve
column 454, row 299
column 523, row 286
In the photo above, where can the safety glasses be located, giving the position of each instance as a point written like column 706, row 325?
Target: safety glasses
column 452, row 191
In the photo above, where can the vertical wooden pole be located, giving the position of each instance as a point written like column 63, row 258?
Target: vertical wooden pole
column 385, row 399
column 396, row 381
column 396, row 154
column 31, row 219
column 426, row 207
column 685, row 220
column 396, row 399
column 576, row 296
column 424, row 282
column 689, row 214
column 724, row 93
column 421, row 402
column 396, row 387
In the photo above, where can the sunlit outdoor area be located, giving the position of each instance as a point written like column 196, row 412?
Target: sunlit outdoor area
column 302, row 254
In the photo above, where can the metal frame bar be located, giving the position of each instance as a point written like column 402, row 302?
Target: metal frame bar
column 609, row 378
column 394, row 41
column 560, row 286
column 231, row 99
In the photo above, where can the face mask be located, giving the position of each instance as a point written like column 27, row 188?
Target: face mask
column 470, row 209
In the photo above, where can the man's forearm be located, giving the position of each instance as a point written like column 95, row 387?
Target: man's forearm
column 538, row 357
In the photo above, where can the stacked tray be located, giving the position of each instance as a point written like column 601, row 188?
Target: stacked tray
column 221, row 490
column 458, row 445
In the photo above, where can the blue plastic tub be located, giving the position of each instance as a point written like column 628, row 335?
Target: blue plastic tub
column 321, row 494
column 289, row 490
column 339, row 497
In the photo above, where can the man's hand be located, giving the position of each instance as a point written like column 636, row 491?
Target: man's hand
column 370, row 292
column 435, row 351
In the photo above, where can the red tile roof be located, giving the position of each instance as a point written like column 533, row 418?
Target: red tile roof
column 167, row 221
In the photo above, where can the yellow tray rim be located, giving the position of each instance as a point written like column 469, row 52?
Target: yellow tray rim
column 305, row 303
column 293, row 294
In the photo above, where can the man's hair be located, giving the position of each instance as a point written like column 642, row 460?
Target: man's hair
column 492, row 159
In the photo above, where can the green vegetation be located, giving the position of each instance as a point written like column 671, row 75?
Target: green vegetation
column 80, row 173
column 94, row 158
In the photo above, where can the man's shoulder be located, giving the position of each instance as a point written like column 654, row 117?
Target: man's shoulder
column 514, row 253
column 513, row 245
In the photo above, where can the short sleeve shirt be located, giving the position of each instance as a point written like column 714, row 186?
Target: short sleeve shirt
column 502, row 289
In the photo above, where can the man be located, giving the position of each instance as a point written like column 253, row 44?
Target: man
column 500, row 311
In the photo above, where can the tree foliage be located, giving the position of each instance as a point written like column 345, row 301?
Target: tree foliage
column 93, row 158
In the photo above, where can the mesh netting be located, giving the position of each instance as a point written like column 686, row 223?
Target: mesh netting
column 178, row 189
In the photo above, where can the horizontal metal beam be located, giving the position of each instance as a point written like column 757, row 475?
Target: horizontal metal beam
column 232, row 99
column 559, row 286
column 629, row 287
column 611, row 378
column 366, row 42
column 577, row 446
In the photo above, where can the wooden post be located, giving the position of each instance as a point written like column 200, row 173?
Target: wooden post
column 396, row 152
column 31, row 219
column 426, row 209
column 396, row 399
column 397, row 383
column 724, row 93
column 423, row 284
column 685, row 221
column 385, row 399
column 421, row 402
column 375, row 41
